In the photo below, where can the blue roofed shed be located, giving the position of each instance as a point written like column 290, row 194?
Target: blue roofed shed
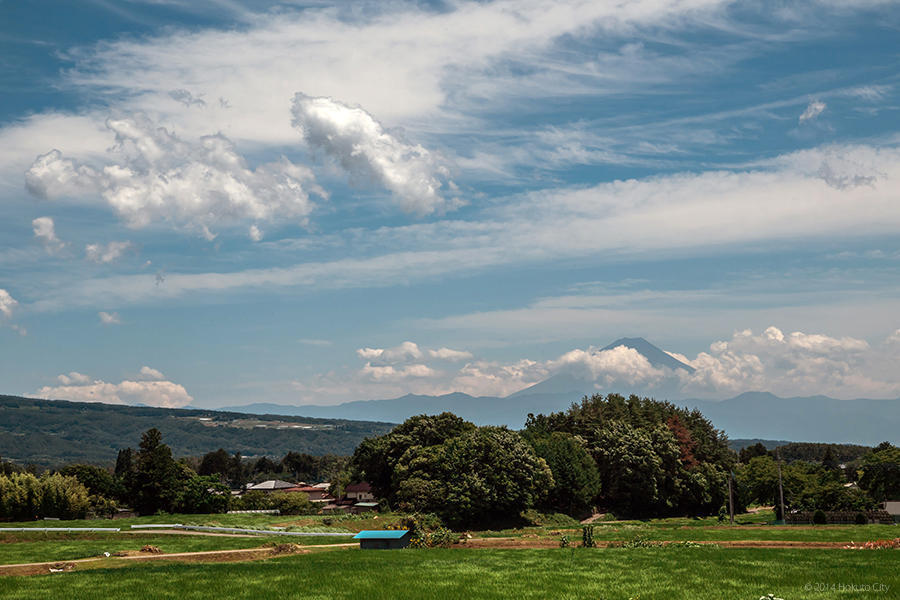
column 389, row 539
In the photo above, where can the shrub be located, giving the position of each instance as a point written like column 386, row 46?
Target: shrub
column 860, row 519
column 293, row 503
column 564, row 542
column 101, row 507
column 24, row 497
column 820, row 518
column 539, row 519
column 587, row 537
column 252, row 500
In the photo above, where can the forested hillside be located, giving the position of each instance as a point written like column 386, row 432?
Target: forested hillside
column 50, row 432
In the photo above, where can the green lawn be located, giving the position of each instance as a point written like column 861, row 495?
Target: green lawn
column 306, row 522
column 42, row 547
column 650, row 574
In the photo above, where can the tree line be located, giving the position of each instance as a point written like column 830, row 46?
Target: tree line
column 634, row 457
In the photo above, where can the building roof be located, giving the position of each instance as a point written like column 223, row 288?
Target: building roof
column 272, row 484
column 363, row 486
column 366, row 504
column 311, row 488
column 386, row 534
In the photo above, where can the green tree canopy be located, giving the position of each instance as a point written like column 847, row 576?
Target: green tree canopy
column 576, row 481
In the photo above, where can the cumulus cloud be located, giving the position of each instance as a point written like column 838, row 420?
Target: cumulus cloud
column 616, row 365
column 255, row 233
column 369, row 152
column 786, row 363
column 7, row 304
column 45, row 231
column 450, row 354
column 73, row 377
column 152, row 175
column 813, row 110
column 80, row 388
column 493, row 378
column 392, row 373
column 109, row 318
column 151, row 373
column 108, row 253
column 407, row 351
column 795, row 363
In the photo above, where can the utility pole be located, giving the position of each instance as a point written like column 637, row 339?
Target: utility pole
column 780, row 486
column 731, row 497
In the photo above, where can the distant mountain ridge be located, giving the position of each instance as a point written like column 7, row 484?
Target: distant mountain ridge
column 51, row 432
column 750, row 415
column 760, row 415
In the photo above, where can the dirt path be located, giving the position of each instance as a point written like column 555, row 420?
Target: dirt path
column 553, row 543
column 187, row 532
column 240, row 555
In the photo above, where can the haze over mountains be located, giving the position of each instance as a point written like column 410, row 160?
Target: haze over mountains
column 748, row 415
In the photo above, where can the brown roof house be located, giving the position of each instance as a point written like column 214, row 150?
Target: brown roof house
column 359, row 492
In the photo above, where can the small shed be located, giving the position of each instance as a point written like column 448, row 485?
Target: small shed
column 389, row 539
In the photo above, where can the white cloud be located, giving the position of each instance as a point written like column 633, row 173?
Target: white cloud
column 74, row 377
column 108, row 318
column 450, row 354
column 813, row 110
column 786, row 198
column 392, row 373
column 79, row 388
column 787, row 364
column 111, row 252
column 492, row 378
column 616, row 365
column 368, row 152
column 405, row 352
column 150, row 373
column 797, row 363
column 153, row 175
column 45, row 231
column 255, row 233
column 7, row 304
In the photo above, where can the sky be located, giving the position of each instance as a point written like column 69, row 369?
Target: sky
column 214, row 203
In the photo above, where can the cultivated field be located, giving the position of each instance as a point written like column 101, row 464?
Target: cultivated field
column 510, row 563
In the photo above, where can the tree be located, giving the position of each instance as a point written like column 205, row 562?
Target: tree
column 24, row 497
column 97, row 480
column 157, row 478
column 375, row 458
column 750, row 452
column 480, row 476
column 215, row 463
column 881, row 473
column 265, row 464
column 202, row 494
column 576, row 481
column 630, row 470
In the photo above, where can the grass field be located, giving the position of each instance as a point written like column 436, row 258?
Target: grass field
column 648, row 574
column 44, row 547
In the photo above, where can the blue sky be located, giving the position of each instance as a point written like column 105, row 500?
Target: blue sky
column 218, row 203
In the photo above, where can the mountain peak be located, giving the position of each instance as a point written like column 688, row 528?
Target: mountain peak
column 656, row 357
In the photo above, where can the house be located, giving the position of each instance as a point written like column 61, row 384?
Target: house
column 892, row 507
column 359, row 492
column 315, row 493
column 361, row 507
column 272, row 485
column 383, row 540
